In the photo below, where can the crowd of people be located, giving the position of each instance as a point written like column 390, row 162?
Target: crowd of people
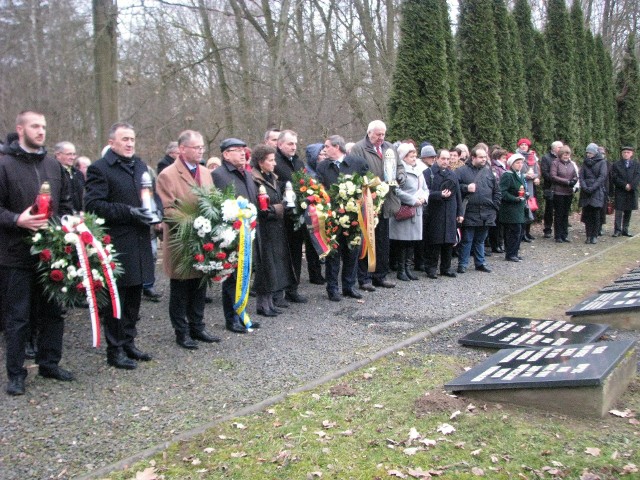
column 442, row 204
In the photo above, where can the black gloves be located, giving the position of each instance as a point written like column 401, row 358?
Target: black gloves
column 573, row 182
column 142, row 215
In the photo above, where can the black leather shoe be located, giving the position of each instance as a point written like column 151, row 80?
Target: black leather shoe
column 617, row 233
column 255, row 325
column 15, row 386
column 449, row 273
column 276, row 310
column 281, row 303
column 134, row 353
column 317, row 280
column 519, row 257
column 497, row 250
column 566, row 240
column 529, row 236
column 56, row 373
column 352, row 294
column 547, row 235
column 151, row 294
column 266, row 313
column 295, row 297
column 367, row 287
column 627, row 234
column 512, row 259
column 185, row 341
column 383, row 283
column 236, row 327
column 411, row 275
column 594, row 240
column 483, row 268
column 432, row 275
column 487, row 253
column 119, row 359
column 334, row 296
column 558, row 240
column 204, row 336
column 462, row 270
column 525, row 239
column 30, row 350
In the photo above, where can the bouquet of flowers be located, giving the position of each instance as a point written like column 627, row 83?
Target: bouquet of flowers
column 207, row 233
column 315, row 204
column 61, row 272
column 357, row 202
column 77, row 264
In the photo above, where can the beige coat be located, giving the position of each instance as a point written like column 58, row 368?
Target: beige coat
column 175, row 183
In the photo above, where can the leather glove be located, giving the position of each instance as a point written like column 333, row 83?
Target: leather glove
column 572, row 182
column 142, row 215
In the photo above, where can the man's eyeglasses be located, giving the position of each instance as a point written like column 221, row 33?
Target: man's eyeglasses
column 235, row 150
column 199, row 148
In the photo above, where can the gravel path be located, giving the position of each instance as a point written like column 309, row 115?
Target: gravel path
column 63, row 430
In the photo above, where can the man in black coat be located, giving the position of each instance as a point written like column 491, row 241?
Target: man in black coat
column 625, row 176
column 232, row 172
column 113, row 193
column 24, row 166
column 545, row 169
column 328, row 172
column 65, row 153
column 170, row 154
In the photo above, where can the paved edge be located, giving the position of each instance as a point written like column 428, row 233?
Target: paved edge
column 257, row 407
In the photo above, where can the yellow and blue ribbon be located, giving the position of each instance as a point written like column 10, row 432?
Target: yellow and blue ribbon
column 244, row 264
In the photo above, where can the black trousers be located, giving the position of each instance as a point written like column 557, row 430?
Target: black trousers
column 382, row 255
column 591, row 218
column 548, row 213
column 441, row 251
column 561, row 209
column 123, row 331
column 23, row 298
column 512, row 239
column 186, row 305
column 228, row 298
column 622, row 219
column 496, row 235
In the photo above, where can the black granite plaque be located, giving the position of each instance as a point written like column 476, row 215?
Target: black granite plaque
column 607, row 302
column 510, row 332
column 635, row 270
column 621, row 287
column 544, row 367
column 628, row 277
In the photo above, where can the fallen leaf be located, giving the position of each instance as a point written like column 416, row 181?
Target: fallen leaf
column 328, row 424
column 413, row 434
column 209, row 450
column 446, row 429
column 277, row 424
column 347, row 433
column 271, row 411
column 460, row 445
column 396, row 473
column 315, row 396
column 428, row 442
column 147, row 474
column 222, row 437
column 314, row 474
column 615, row 455
column 471, row 407
column 624, row 414
column 367, row 376
column 239, row 425
column 418, row 473
column 378, row 405
column 634, row 421
column 144, row 409
column 320, row 433
column 589, row 476
column 454, row 414
column 401, row 353
column 556, row 464
column 629, row 468
column 475, row 453
column 238, row 454
column 494, row 459
column 410, row 450
column 196, row 461
column 477, row 471
column 592, row 451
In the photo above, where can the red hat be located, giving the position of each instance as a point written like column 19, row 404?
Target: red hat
column 524, row 140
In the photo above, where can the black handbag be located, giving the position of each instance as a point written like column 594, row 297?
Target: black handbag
column 405, row 213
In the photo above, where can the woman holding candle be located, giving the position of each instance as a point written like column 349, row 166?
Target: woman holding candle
column 272, row 261
column 511, row 213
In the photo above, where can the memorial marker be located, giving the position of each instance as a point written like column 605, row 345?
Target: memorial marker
column 620, row 287
column 628, row 277
column 619, row 309
column 579, row 379
column 509, row 332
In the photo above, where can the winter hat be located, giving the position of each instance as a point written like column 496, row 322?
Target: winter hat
column 525, row 141
column 513, row 158
column 404, row 149
column 627, row 147
column 428, row 151
column 592, row 148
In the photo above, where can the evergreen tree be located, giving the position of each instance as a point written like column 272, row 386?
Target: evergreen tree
column 583, row 75
column 527, row 37
column 541, row 113
column 628, row 96
column 479, row 92
column 519, row 85
column 609, row 106
column 506, row 74
column 596, row 78
column 561, row 47
column 457, row 135
column 418, row 103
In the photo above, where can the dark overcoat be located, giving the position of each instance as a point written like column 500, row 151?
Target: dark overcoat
column 622, row 176
column 483, row 204
column 242, row 181
column 511, row 205
column 112, row 188
column 440, row 221
column 593, row 180
column 273, row 267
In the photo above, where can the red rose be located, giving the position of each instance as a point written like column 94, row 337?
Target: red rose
column 45, row 255
column 354, row 223
column 302, row 181
column 86, row 237
column 217, row 278
column 208, row 247
column 221, row 255
column 56, row 275
column 199, row 258
column 106, row 239
column 253, row 224
column 237, row 224
column 226, row 265
column 80, row 287
column 98, row 284
column 68, row 249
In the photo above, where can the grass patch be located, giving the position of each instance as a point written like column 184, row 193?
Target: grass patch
column 388, row 420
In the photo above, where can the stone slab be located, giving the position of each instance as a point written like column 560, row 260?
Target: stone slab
column 628, row 277
column 579, row 380
column 510, row 332
column 621, row 287
column 607, row 302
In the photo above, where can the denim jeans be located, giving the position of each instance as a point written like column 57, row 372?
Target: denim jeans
column 472, row 242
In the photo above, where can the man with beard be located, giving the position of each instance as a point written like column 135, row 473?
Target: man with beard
column 23, row 168
column 113, row 193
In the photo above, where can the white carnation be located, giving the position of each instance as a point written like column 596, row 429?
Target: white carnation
column 228, row 237
column 71, row 238
column 230, row 210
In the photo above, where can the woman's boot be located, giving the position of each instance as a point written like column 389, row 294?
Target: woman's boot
column 407, row 268
column 402, row 263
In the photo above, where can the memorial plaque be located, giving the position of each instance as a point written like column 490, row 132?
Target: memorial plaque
column 628, row 277
column 621, row 287
column 510, row 332
column 578, row 379
column 607, row 302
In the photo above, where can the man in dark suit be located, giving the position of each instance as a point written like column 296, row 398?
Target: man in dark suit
column 328, row 172
column 625, row 176
column 65, row 153
column 232, row 172
column 113, row 193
